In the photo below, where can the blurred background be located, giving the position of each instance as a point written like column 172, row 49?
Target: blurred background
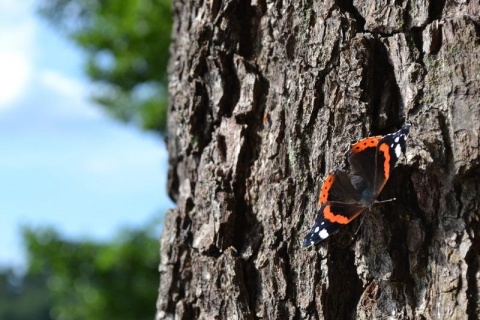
column 83, row 162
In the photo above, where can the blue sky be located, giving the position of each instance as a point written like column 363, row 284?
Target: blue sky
column 63, row 162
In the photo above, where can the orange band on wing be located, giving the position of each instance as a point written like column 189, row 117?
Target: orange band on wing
column 325, row 189
column 386, row 153
column 338, row 218
column 363, row 144
column 332, row 217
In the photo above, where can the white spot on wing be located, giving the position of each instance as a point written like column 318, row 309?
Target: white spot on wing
column 323, row 222
column 396, row 139
column 323, row 234
column 398, row 151
column 316, row 229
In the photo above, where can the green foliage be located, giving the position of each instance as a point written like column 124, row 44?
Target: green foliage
column 127, row 50
column 23, row 298
column 90, row 280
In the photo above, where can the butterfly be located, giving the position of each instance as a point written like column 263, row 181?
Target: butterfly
column 343, row 197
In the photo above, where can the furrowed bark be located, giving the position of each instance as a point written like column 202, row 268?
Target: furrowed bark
column 265, row 98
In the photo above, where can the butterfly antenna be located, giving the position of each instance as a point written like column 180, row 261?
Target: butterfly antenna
column 384, row 201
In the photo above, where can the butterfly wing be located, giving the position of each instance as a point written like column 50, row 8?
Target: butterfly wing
column 374, row 158
column 339, row 204
column 338, row 187
column 361, row 158
column 330, row 218
column 389, row 150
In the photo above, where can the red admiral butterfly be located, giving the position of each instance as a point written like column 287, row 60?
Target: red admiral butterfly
column 344, row 197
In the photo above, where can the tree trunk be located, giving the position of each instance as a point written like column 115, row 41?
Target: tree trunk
column 265, row 98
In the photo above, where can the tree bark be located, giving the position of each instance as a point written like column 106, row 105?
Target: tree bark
column 265, row 98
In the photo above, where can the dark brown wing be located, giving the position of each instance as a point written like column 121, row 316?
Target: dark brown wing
column 361, row 158
column 339, row 204
column 338, row 187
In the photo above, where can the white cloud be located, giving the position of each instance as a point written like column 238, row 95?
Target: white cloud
column 13, row 6
column 72, row 92
column 21, row 76
column 15, row 71
column 62, row 84
column 17, row 29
